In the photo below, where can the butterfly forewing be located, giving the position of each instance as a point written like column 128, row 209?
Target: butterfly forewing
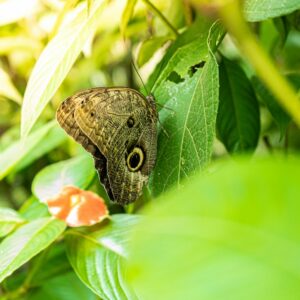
column 120, row 125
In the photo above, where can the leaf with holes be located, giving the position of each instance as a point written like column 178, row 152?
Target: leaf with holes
column 188, row 118
column 97, row 257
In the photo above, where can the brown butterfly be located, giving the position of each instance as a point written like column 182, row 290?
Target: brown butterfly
column 118, row 127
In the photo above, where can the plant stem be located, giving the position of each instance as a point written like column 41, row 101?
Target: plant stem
column 162, row 17
column 233, row 20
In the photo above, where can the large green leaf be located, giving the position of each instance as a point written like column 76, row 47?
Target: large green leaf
column 26, row 242
column 9, row 219
column 97, row 257
column 238, row 116
column 18, row 150
column 188, row 86
column 49, row 182
column 264, row 9
column 56, row 61
column 233, row 234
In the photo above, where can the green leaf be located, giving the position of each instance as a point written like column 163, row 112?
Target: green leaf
column 33, row 209
column 281, row 118
column 97, row 257
column 9, row 220
column 190, row 85
column 7, row 89
column 189, row 49
column 26, row 242
column 18, row 150
column 9, row 44
column 149, row 47
column 62, row 287
column 78, row 171
column 126, row 16
column 232, row 234
column 55, row 137
column 55, row 62
column 265, row 9
column 238, row 121
column 55, row 263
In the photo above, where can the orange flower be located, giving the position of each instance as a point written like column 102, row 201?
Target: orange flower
column 77, row 207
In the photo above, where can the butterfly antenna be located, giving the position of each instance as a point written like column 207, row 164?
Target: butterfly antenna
column 135, row 68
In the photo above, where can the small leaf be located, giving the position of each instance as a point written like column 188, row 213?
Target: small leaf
column 238, row 122
column 149, row 47
column 26, row 242
column 55, row 62
column 18, row 150
column 126, row 16
column 89, row 5
column 13, row 42
column 232, row 234
column 7, row 89
column 190, row 114
column 281, row 118
column 55, row 137
column 98, row 257
column 50, row 181
column 265, row 9
column 9, row 220
column 33, row 209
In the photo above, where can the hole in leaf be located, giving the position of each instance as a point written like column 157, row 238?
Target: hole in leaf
column 193, row 69
column 175, row 77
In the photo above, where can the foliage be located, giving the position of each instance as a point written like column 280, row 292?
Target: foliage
column 210, row 225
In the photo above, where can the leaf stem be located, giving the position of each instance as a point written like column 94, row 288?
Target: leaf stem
column 230, row 12
column 162, row 17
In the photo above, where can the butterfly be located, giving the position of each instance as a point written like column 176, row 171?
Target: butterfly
column 118, row 127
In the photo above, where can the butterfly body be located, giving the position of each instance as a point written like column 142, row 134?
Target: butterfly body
column 118, row 127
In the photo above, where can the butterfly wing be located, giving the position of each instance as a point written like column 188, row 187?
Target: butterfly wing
column 66, row 118
column 117, row 122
